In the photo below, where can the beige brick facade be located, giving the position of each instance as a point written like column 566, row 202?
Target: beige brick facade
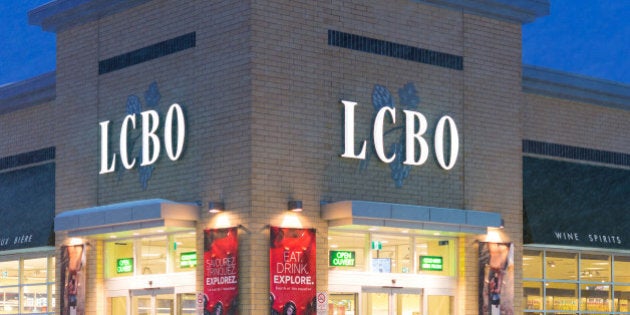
column 261, row 93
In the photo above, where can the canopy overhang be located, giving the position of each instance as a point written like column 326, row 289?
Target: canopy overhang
column 128, row 216
column 357, row 212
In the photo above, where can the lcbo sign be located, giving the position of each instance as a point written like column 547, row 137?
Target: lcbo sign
column 413, row 136
column 151, row 144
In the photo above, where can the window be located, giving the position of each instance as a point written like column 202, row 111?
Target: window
column 27, row 285
column 557, row 281
column 392, row 253
column 157, row 254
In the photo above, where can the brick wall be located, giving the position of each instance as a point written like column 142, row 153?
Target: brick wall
column 261, row 93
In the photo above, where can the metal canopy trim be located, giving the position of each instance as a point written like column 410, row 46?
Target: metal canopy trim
column 127, row 216
column 357, row 212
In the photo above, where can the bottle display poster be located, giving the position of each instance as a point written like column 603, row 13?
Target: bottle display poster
column 73, row 273
column 292, row 264
column 496, row 278
column 220, row 266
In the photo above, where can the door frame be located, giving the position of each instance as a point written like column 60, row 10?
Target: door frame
column 152, row 293
column 392, row 291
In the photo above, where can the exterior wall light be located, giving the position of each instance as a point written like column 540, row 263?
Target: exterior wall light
column 216, row 206
column 295, row 206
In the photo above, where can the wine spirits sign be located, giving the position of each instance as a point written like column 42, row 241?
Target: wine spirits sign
column 401, row 154
column 139, row 134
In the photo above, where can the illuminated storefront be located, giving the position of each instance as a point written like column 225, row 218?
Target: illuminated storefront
column 279, row 158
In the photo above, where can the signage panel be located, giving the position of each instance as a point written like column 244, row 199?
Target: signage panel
column 188, row 260
column 292, row 271
column 431, row 263
column 27, row 194
column 124, row 265
column 341, row 258
column 575, row 204
column 220, row 266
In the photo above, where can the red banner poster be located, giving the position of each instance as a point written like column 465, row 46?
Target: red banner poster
column 220, row 261
column 292, row 271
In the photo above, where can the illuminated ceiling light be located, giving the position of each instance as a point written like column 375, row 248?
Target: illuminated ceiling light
column 295, row 206
column 75, row 241
column 216, row 206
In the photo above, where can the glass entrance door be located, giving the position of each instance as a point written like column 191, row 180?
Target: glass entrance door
column 153, row 302
column 391, row 301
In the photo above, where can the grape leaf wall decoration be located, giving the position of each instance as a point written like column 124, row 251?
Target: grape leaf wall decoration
column 134, row 107
column 409, row 100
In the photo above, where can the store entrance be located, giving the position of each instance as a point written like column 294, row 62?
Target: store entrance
column 392, row 300
column 153, row 302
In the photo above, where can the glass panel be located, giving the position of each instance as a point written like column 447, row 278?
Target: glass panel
column 442, row 249
column 342, row 304
column 51, row 270
column 394, row 255
column 52, row 298
column 9, row 300
column 532, row 292
column 339, row 241
column 153, row 254
column 377, row 303
column 187, row 304
column 185, row 251
column 164, row 305
column 595, row 298
column 595, row 268
column 141, row 305
column 9, row 272
column 35, row 271
column 622, row 269
column 561, row 266
column 561, row 297
column 34, row 299
column 532, row 264
column 622, row 298
column 440, row 305
column 115, row 252
column 118, row 305
column 409, row 304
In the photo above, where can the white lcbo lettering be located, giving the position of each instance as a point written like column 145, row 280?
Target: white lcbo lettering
column 412, row 136
column 349, row 133
column 150, row 140
column 379, row 145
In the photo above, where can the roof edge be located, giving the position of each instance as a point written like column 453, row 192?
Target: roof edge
column 30, row 92
column 514, row 11
column 575, row 87
column 59, row 15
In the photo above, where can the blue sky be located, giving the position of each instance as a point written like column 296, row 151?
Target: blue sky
column 587, row 37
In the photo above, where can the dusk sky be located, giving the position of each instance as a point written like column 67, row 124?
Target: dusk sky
column 587, row 37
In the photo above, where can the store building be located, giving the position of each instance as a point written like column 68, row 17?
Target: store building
column 408, row 133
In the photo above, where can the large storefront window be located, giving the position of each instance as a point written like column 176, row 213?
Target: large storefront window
column 391, row 271
column 391, row 253
column 575, row 282
column 27, row 285
column 151, row 255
